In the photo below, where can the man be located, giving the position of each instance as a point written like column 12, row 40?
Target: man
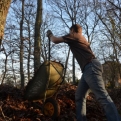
column 92, row 74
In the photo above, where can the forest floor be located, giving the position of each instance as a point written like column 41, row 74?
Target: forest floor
column 14, row 108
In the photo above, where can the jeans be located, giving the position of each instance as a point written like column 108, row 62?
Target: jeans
column 92, row 79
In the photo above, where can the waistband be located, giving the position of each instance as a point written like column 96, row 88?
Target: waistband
column 93, row 59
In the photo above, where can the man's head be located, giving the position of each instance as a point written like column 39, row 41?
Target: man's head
column 76, row 28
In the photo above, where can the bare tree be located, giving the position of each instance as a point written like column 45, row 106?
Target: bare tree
column 12, row 35
column 108, row 14
column 37, row 43
column 7, row 54
column 30, row 13
column 21, row 47
column 69, row 12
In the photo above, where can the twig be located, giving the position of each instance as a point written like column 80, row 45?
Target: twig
column 5, row 117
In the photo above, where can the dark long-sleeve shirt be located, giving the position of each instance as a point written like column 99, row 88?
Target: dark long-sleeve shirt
column 80, row 49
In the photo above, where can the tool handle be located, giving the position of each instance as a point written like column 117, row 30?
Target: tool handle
column 49, row 49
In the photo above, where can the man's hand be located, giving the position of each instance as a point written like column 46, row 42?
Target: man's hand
column 49, row 33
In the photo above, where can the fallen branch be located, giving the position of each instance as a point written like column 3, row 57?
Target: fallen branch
column 5, row 117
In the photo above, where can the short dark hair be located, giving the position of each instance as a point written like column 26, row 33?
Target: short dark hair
column 76, row 27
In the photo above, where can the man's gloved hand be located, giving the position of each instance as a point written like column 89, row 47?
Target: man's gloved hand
column 49, row 33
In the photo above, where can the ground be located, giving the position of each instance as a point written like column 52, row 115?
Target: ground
column 14, row 108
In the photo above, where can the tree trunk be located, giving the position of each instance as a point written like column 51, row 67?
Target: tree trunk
column 4, row 6
column 29, row 51
column 37, row 43
column 21, row 47
column 73, row 62
column 5, row 68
